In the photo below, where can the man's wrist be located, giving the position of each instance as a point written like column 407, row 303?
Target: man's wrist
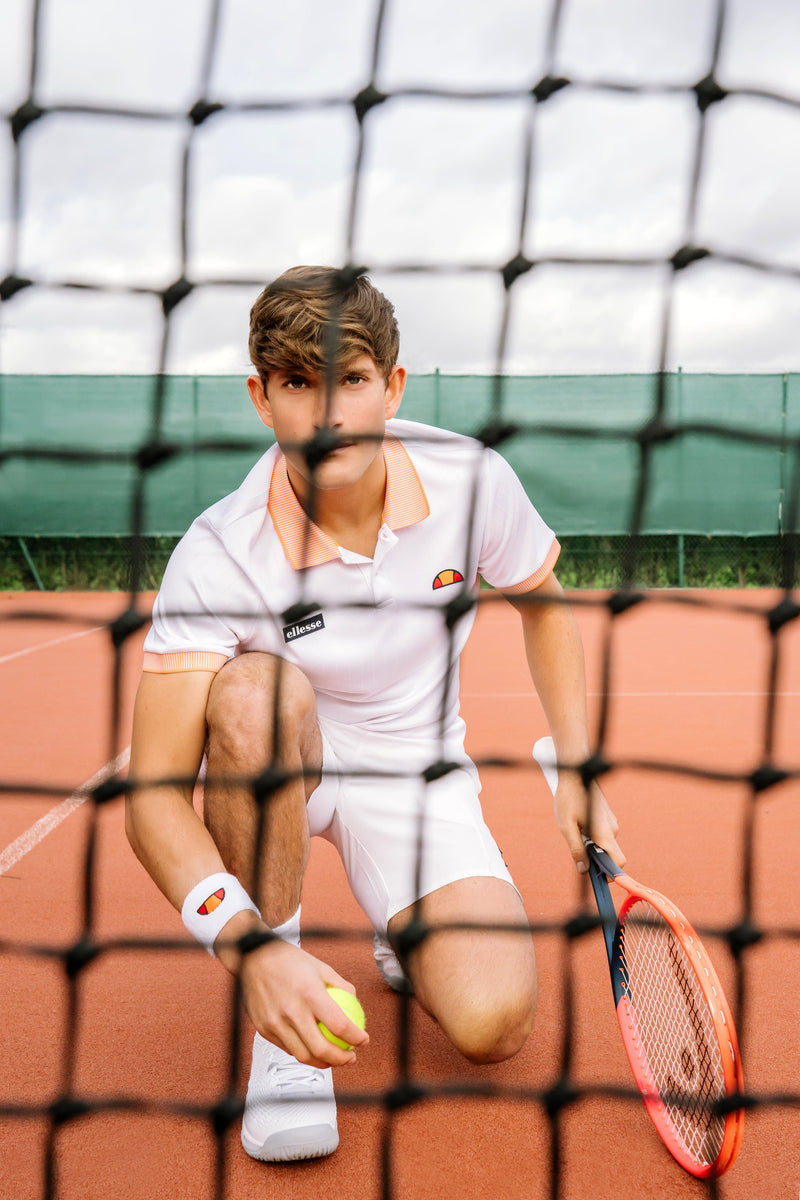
column 227, row 946
column 212, row 904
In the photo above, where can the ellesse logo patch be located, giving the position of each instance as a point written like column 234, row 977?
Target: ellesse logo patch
column 211, row 902
column 445, row 578
column 302, row 628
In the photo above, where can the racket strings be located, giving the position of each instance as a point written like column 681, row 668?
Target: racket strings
column 680, row 1058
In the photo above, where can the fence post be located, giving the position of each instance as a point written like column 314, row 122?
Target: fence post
column 681, row 477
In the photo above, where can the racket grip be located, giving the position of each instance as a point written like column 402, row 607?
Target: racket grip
column 602, row 859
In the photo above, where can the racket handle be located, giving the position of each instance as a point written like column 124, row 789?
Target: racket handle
column 602, row 859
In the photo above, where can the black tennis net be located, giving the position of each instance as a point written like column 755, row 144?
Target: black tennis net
column 660, row 429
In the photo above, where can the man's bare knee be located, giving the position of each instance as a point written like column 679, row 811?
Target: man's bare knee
column 489, row 1033
column 253, row 697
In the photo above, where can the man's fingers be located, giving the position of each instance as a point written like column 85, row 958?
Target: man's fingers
column 611, row 846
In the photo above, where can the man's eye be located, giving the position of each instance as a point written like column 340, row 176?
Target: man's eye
column 354, row 378
column 295, row 383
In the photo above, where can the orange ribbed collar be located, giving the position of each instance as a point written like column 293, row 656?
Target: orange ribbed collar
column 305, row 545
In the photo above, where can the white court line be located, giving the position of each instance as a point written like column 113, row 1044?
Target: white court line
column 54, row 642
column 51, row 820
column 630, row 695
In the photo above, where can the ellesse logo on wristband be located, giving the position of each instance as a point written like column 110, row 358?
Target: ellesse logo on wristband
column 302, row 628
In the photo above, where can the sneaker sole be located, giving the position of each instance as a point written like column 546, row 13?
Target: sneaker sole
column 314, row 1141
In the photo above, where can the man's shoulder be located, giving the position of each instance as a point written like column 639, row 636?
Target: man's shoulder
column 247, row 502
column 419, row 438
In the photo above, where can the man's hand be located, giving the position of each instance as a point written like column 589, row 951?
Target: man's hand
column 284, row 992
column 579, row 814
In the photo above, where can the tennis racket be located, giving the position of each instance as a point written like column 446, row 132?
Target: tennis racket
column 676, row 1026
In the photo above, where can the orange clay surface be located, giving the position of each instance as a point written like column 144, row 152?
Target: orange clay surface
column 688, row 685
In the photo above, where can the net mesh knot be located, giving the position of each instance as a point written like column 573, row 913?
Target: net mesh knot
column 172, row 296
column 224, row 1114
column 68, row 1108
column 458, row 607
column 24, row 116
column 201, row 110
column 80, row 955
column 13, row 284
column 129, row 622
column 766, row 776
column 367, row 99
column 684, row 256
column 560, row 1095
column 742, row 936
column 270, row 781
column 403, row 1096
column 623, row 599
column 784, row 612
column 494, row 433
column 581, row 924
column 548, row 85
column 516, row 266
column 708, row 92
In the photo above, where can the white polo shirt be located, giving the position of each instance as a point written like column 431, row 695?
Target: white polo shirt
column 371, row 635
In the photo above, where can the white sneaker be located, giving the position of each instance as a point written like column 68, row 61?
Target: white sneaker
column 289, row 1112
column 389, row 966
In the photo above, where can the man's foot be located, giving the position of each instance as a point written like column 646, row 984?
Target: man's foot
column 289, row 1112
column 389, row 966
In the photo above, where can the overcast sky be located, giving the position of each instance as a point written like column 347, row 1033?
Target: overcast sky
column 442, row 180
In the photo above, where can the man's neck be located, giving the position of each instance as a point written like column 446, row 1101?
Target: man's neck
column 352, row 516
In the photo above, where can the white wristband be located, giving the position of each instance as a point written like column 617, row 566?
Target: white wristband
column 210, row 905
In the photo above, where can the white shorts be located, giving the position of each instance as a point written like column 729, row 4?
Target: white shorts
column 399, row 837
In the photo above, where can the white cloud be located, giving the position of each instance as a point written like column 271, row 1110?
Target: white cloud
column 635, row 41
column 66, row 332
column 146, row 54
column 761, row 46
column 611, row 174
column 750, row 196
column 309, row 49
column 101, row 201
column 441, row 183
column 269, row 191
column 447, row 43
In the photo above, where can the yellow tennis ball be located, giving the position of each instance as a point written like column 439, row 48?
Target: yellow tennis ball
column 352, row 1006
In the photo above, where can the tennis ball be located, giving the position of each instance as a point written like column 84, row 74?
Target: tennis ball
column 352, row 1006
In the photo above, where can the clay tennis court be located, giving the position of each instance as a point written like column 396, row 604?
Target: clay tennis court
column 151, row 1032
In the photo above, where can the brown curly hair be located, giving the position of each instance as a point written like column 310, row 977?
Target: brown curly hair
column 311, row 316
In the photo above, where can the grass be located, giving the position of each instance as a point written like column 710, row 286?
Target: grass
column 106, row 564
column 81, row 564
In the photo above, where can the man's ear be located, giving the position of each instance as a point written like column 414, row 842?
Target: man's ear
column 261, row 403
column 394, row 391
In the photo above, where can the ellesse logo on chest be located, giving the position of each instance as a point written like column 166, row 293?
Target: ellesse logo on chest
column 303, row 628
column 445, row 578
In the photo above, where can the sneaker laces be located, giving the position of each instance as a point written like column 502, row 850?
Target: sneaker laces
column 293, row 1076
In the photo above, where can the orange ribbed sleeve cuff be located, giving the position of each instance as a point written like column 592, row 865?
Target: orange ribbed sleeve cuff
column 183, row 660
column 533, row 581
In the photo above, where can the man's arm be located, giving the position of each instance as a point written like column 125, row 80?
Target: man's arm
column 167, row 835
column 555, row 658
column 283, row 987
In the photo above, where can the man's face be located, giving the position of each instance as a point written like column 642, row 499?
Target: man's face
column 297, row 405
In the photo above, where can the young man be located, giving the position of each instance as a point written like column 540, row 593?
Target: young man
column 301, row 638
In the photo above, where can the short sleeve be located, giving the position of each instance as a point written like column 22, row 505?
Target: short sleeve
column 197, row 614
column 518, row 549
